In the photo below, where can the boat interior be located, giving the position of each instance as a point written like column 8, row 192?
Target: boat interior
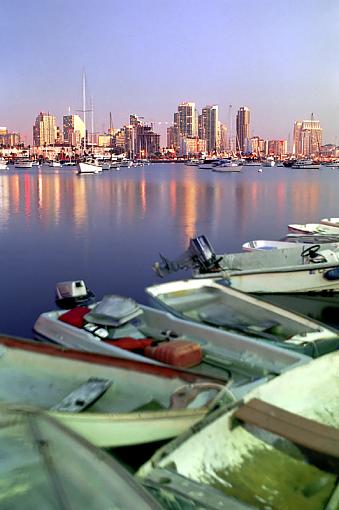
column 279, row 449
column 232, row 310
column 53, row 382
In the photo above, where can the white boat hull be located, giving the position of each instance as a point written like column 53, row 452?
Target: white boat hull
column 27, row 164
column 312, row 228
column 227, row 169
column 330, row 222
column 266, row 245
column 88, row 168
column 3, row 166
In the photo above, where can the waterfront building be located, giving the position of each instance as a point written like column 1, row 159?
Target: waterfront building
column 104, row 140
column 223, row 137
column 73, row 130
column 276, row 148
column 186, row 119
column 8, row 139
column 171, row 137
column 44, row 130
column 146, row 142
column 242, row 129
column 257, row 146
column 210, row 127
column 307, row 138
column 191, row 146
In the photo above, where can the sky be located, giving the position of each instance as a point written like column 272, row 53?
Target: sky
column 277, row 57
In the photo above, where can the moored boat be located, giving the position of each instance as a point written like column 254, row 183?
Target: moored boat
column 276, row 449
column 3, row 164
column 110, row 402
column 23, row 163
column 287, row 270
column 217, row 353
column 266, row 245
column 89, row 167
column 208, row 164
column 208, row 302
column 307, row 164
column 312, row 228
column 44, row 465
column 331, row 222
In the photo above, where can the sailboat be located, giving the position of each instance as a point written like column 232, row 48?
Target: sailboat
column 90, row 165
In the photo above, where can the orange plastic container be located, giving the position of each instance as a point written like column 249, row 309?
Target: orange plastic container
column 179, row 353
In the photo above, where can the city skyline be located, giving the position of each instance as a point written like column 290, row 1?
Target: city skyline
column 148, row 56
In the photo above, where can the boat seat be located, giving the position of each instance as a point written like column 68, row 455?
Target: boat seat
column 83, row 397
column 221, row 316
column 302, row 431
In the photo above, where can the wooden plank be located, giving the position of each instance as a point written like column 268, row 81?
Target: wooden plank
column 83, row 397
column 301, row 431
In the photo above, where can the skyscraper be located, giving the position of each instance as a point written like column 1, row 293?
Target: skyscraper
column 73, row 130
column 210, row 127
column 243, row 129
column 187, row 119
column 44, row 130
column 307, row 137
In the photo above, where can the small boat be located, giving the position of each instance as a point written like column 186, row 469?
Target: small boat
column 227, row 165
column 331, row 222
column 109, row 401
column 54, row 164
column 90, row 166
column 192, row 162
column 23, row 163
column 268, row 162
column 253, row 163
column 312, row 228
column 276, row 449
column 3, row 164
column 221, row 354
column 266, row 245
column 208, row 164
column 44, row 465
column 209, row 302
column 307, row 164
column 287, row 270
column 311, row 238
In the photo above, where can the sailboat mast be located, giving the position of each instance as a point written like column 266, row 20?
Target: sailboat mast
column 92, row 126
column 84, row 105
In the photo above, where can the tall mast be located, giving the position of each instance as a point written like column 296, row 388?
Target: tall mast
column 84, row 104
column 92, row 126
column 230, row 127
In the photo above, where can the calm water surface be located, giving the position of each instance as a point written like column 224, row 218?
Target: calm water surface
column 109, row 228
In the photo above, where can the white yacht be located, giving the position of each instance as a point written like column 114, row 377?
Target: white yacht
column 3, row 164
column 89, row 166
column 306, row 164
column 23, row 163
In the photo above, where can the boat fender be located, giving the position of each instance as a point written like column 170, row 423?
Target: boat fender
column 332, row 274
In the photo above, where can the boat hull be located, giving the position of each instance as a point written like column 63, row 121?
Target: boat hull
column 87, row 168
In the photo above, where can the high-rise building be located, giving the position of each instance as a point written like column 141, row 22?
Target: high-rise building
column 243, row 129
column 73, row 130
column 276, row 148
column 44, row 130
column 224, row 142
column 307, row 138
column 210, row 127
column 187, row 119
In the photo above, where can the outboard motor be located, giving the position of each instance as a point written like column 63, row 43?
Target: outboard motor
column 199, row 255
column 73, row 293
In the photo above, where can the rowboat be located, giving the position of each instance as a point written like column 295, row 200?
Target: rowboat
column 266, row 245
column 287, row 270
column 331, row 222
column 46, row 466
column 277, row 449
column 110, row 402
column 231, row 356
column 312, row 228
column 209, row 302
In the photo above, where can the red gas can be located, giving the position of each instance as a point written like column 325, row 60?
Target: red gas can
column 179, row 353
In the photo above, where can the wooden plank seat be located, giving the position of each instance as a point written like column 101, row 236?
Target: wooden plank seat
column 84, row 396
column 302, row 431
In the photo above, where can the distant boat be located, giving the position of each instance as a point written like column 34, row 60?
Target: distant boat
column 23, row 163
column 3, row 164
column 90, row 166
column 208, row 164
column 54, row 163
column 306, row 164
column 276, row 449
column 268, row 161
